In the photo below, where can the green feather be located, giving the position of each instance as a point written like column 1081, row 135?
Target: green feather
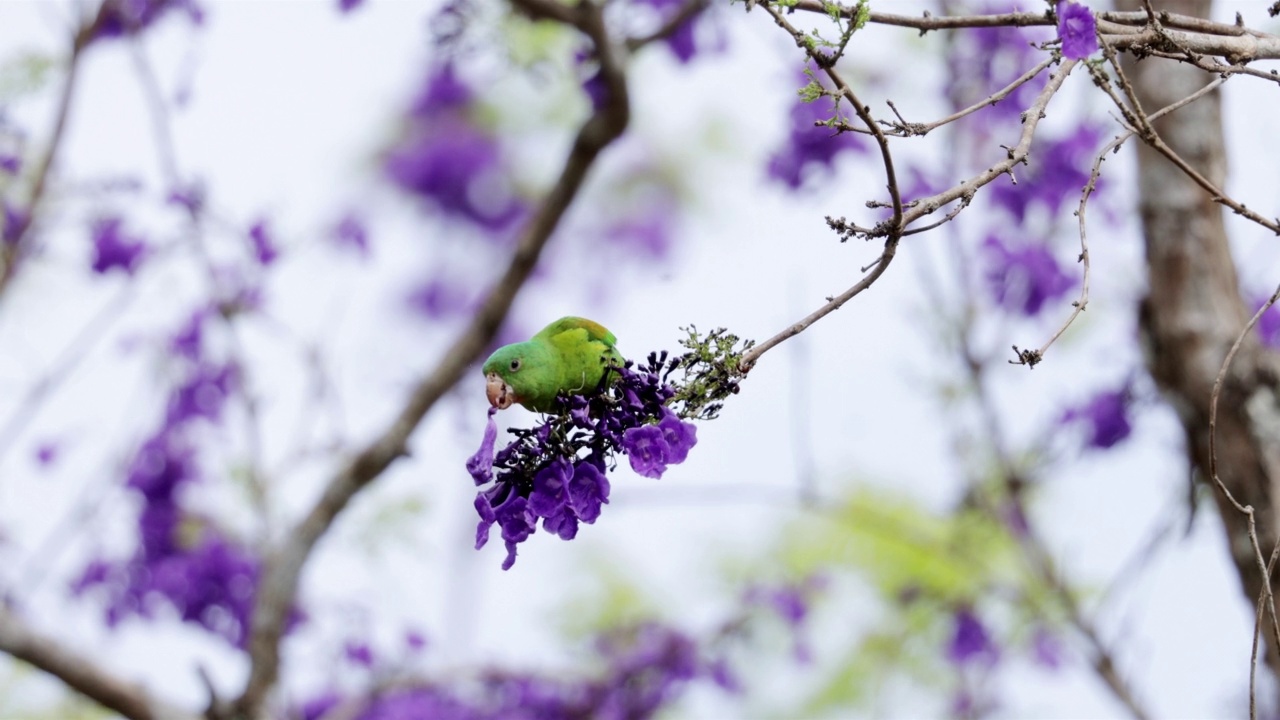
column 568, row 356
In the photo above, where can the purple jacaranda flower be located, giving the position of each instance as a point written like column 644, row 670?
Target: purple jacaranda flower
column 188, row 341
column 202, row 395
column 47, row 452
column 682, row 41
column 346, row 6
column 808, row 146
column 351, row 232
column 160, row 466
column 443, row 93
column 358, row 653
column 122, row 17
column 441, row 297
column 320, row 705
column 970, row 641
column 480, row 465
column 113, row 249
column 263, row 245
column 190, row 197
column 1268, row 326
column 15, row 223
column 588, row 490
column 1105, row 417
column 647, row 450
column 681, row 436
column 1077, row 30
column 460, row 169
column 10, row 163
column 415, row 641
column 1024, row 278
column 1046, row 649
column 548, row 495
column 648, row 235
column 1057, row 170
column 484, row 508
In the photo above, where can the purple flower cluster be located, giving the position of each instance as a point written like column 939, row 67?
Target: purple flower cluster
column 643, row 669
column 1077, row 30
column 112, row 248
column 1024, row 278
column 183, row 560
column 445, row 158
column 1105, row 418
column 809, row 147
column 15, row 224
column 263, row 243
column 791, row 602
column 541, row 475
column 970, row 641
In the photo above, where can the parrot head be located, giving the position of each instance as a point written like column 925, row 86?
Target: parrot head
column 513, row 373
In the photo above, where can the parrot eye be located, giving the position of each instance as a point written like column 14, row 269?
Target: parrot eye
column 515, row 365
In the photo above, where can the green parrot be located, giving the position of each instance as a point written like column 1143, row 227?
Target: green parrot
column 568, row 356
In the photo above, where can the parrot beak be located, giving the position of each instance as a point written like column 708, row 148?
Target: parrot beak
column 499, row 392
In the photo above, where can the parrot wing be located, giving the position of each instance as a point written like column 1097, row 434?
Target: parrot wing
column 581, row 326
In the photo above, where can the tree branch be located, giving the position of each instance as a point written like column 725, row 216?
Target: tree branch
column 81, row 673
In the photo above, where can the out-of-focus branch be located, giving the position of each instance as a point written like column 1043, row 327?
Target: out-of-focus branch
column 687, row 12
column 81, row 673
column 11, row 251
column 279, row 585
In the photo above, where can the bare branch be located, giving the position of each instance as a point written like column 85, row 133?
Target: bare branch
column 279, row 584
column 81, row 673
column 687, row 12
column 905, row 129
column 1032, row 357
column 1246, row 510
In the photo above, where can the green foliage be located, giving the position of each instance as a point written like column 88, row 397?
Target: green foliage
column 711, row 371
column 25, row 74
column 614, row 600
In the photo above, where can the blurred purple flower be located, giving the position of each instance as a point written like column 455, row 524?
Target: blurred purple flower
column 682, row 41
column 1057, row 169
column 459, row 168
column 10, row 163
column 202, row 395
column 188, row 341
column 415, row 641
column 350, row 231
column 1024, row 279
column 1105, row 417
column 15, row 223
column 190, row 197
column 263, row 245
column 121, row 17
column 441, row 297
column 113, row 249
column 970, row 641
column 358, row 653
column 47, row 452
column 808, row 146
column 1077, row 30
column 346, row 6
column 1046, row 649
column 446, row 159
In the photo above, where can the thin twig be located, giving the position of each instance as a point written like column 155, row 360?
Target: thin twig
column 906, row 129
column 1032, row 357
